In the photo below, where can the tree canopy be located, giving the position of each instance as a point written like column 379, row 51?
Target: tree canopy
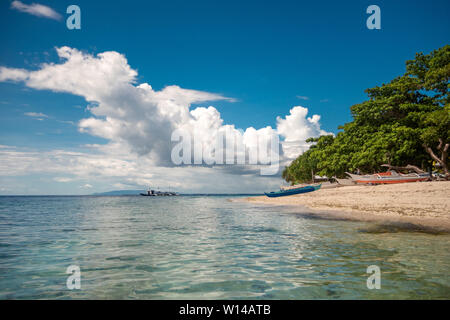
column 406, row 121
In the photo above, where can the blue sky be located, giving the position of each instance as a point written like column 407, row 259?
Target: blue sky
column 267, row 55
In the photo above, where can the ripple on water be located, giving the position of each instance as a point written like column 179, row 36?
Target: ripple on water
column 207, row 248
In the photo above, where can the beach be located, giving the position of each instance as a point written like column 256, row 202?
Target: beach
column 425, row 204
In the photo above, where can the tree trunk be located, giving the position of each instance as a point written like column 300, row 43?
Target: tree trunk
column 443, row 148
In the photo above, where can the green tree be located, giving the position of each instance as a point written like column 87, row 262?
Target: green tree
column 432, row 73
column 437, row 132
column 405, row 121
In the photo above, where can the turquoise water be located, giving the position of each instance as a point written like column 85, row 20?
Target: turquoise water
column 206, row 248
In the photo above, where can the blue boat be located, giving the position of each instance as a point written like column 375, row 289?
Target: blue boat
column 283, row 193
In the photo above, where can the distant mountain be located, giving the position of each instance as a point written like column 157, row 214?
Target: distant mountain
column 119, row 193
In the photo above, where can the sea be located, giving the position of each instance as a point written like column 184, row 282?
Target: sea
column 208, row 247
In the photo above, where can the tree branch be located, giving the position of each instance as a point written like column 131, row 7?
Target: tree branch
column 430, row 151
column 408, row 167
column 440, row 144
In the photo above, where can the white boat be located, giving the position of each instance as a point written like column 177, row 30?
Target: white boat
column 345, row 182
column 389, row 177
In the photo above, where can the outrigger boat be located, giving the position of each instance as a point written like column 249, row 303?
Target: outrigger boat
column 389, row 177
column 325, row 185
column 290, row 192
column 345, row 182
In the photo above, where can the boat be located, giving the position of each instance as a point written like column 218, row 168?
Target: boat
column 329, row 185
column 345, row 182
column 389, row 177
column 325, row 185
column 153, row 193
column 289, row 192
column 150, row 193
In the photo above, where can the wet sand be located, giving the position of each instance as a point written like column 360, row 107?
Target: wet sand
column 418, row 204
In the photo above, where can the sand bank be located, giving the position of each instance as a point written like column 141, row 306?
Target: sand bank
column 424, row 204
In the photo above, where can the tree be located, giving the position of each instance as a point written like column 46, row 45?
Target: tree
column 437, row 131
column 432, row 73
column 406, row 121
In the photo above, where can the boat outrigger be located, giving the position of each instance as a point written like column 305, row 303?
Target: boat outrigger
column 388, row 177
column 289, row 192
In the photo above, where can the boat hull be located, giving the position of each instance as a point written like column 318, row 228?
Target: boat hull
column 387, row 179
column 290, row 192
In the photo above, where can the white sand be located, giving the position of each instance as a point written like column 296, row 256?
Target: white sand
column 421, row 203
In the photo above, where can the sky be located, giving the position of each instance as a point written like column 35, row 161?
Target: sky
column 92, row 110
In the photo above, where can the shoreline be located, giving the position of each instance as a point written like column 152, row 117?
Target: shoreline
column 421, row 206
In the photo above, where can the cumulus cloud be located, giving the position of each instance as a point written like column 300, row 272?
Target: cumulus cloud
column 137, row 116
column 138, row 120
column 36, row 9
column 296, row 128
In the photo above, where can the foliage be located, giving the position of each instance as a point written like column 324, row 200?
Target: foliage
column 406, row 121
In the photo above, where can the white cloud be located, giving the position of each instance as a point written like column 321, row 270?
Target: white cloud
column 38, row 115
column 296, row 128
column 10, row 74
column 120, row 186
column 138, row 121
column 66, row 122
column 62, row 179
column 303, row 97
column 36, row 9
column 121, row 171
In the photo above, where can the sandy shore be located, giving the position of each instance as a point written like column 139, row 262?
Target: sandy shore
column 425, row 204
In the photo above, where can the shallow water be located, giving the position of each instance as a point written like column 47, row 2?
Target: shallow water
column 206, row 248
